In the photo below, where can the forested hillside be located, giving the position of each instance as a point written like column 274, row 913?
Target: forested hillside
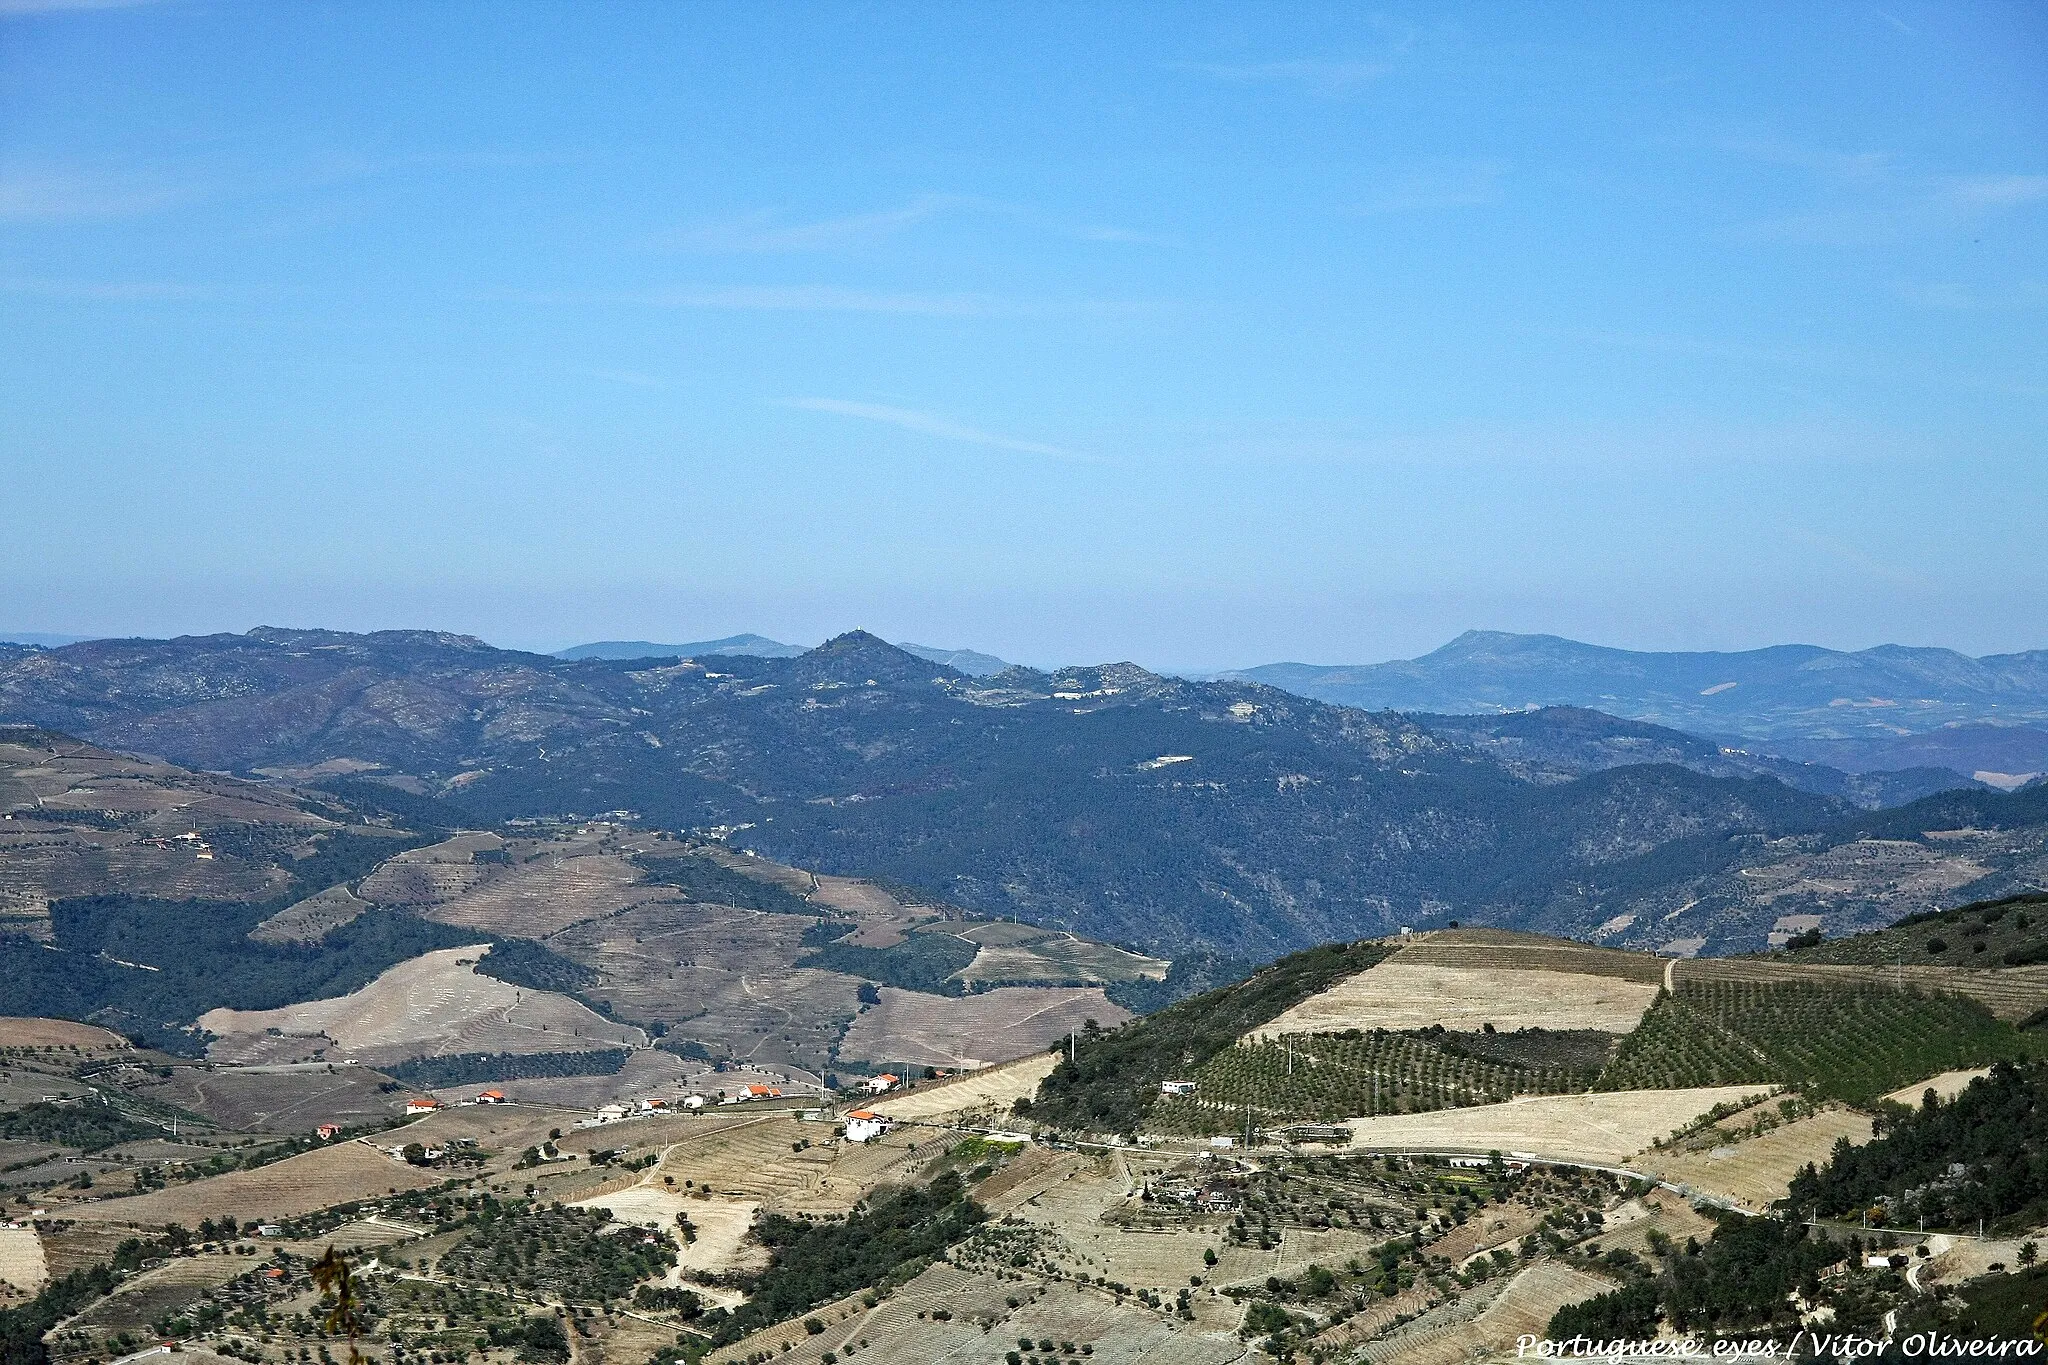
column 1110, row 801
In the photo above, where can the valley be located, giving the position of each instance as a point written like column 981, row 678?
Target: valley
column 592, row 1085
column 1043, row 797
column 1416, row 1214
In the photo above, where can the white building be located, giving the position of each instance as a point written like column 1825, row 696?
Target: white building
column 864, row 1125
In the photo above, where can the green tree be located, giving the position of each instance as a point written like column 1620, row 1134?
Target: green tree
column 338, row 1291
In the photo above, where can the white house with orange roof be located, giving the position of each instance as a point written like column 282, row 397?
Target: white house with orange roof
column 865, row 1125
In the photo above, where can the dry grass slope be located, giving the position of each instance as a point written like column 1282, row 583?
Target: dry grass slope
column 1602, row 1129
column 1404, row 994
column 1757, row 1171
column 974, row 1030
column 284, row 1189
column 429, row 1006
column 988, row 1093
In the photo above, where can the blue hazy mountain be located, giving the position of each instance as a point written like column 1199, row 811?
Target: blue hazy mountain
column 755, row 646
column 1868, row 710
column 40, row 638
column 1105, row 799
column 971, row 662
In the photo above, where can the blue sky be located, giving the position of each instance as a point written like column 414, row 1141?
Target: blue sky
column 1198, row 335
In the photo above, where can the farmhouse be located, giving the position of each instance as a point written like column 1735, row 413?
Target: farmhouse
column 421, row 1104
column 327, row 1132
column 763, row 1092
column 693, row 1101
column 879, row 1085
column 491, row 1097
column 1176, row 1087
column 864, row 1125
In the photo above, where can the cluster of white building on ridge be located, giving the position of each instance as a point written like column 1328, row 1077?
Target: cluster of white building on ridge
column 862, row 1125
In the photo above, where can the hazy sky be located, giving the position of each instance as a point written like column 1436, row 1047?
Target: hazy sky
column 1203, row 336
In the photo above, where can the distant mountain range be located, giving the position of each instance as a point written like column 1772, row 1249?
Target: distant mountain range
column 968, row 661
column 40, row 638
column 1885, row 708
column 1108, row 800
column 760, row 646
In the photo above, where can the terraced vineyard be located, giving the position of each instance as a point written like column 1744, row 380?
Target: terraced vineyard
column 1852, row 1041
column 1336, row 1076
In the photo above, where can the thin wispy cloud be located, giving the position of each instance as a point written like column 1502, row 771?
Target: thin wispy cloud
column 833, row 299
column 1994, row 191
column 56, row 195
column 1121, row 236
column 1826, row 162
column 101, row 291
column 825, row 299
column 13, row 8
column 633, row 378
column 1867, row 198
column 932, row 424
column 1446, row 185
column 1323, row 78
column 1949, row 297
column 766, row 232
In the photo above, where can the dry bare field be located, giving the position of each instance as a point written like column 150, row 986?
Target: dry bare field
column 647, row 1072
column 309, row 919
column 1900, row 874
column 1057, row 957
column 74, row 776
column 1071, row 1198
column 430, row 875
column 548, row 893
column 277, row 1100
column 2011, row 993
column 1529, row 952
column 42, row 861
column 22, row 1264
column 81, row 1246
column 1947, row 1086
column 757, row 1161
column 986, row 1093
column 283, row 1189
column 18, row 1031
column 1525, row 1305
column 883, row 919
column 721, row 1225
column 1398, row 994
column 47, row 853
column 899, row 1330
column 794, row 880
column 1663, row 1211
column 1757, row 1171
column 973, row 1030
column 138, row 1302
column 1605, row 1129
column 430, row 1005
column 1006, row 933
column 721, row 976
